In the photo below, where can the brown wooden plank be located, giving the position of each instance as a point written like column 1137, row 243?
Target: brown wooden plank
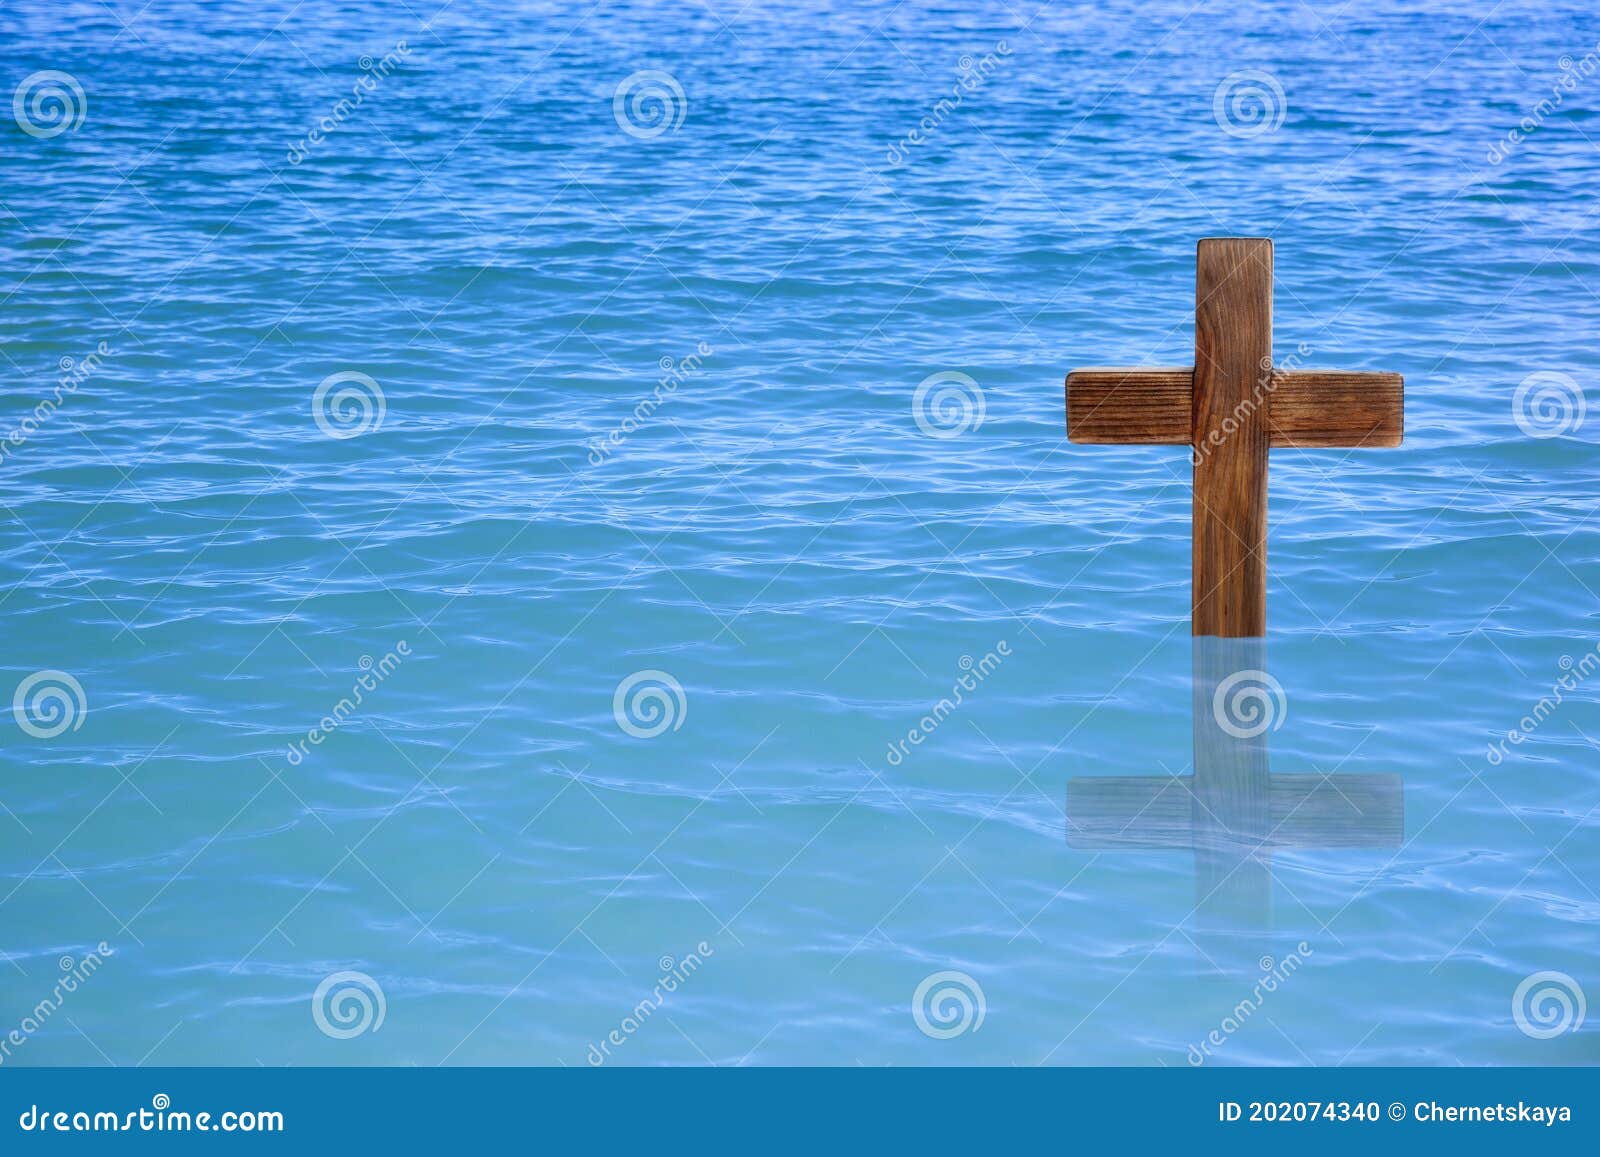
column 1313, row 408
column 1310, row 408
column 1120, row 406
column 1232, row 351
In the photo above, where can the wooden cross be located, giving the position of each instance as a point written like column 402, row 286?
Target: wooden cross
column 1231, row 407
column 1233, row 812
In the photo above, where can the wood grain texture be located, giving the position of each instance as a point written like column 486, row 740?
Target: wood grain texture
column 1148, row 406
column 1310, row 408
column 1322, row 408
column 1232, row 350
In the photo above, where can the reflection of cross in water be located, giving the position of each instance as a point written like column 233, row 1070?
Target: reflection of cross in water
column 1232, row 811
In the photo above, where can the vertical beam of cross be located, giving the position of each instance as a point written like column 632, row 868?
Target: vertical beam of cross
column 1232, row 354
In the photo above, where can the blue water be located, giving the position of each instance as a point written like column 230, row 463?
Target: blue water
column 800, row 568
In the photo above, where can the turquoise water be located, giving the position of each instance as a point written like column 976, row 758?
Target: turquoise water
column 205, row 556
